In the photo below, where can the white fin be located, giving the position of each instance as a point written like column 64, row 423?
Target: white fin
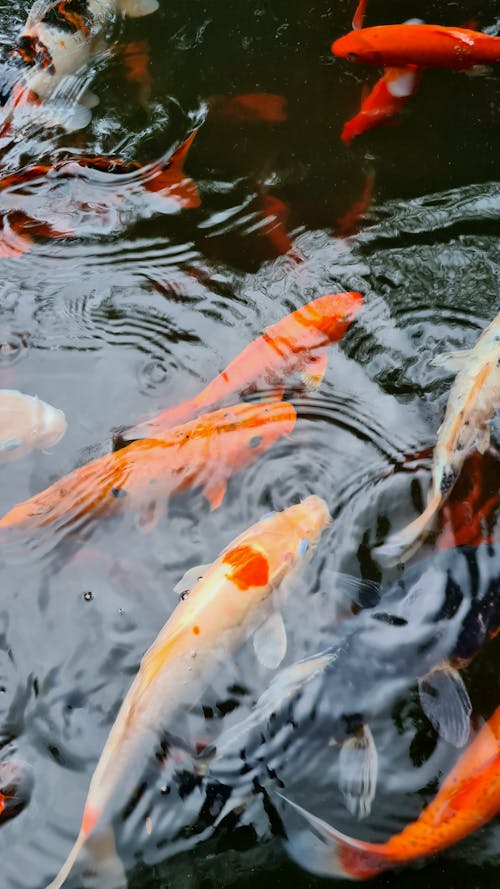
column 315, row 849
column 11, row 444
column 483, row 438
column 452, row 361
column 192, row 576
column 414, row 21
column 351, row 589
column 269, row 641
column 399, row 547
column 479, row 70
column 137, row 8
column 446, row 703
column 89, row 99
column 404, row 85
column 358, row 764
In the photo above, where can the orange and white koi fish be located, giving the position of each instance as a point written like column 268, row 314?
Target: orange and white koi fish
column 58, row 40
column 474, row 398
column 467, row 799
column 427, row 46
column 27, row 423
column 296, row 343
column 96, row 190
column 385, row 101
column 203, row 453
column 223, row 607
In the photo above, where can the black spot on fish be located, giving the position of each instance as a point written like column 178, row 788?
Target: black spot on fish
column 447, row 481
column 255, row 441
column 33, row 52
column 118, row 492
column 392, row 619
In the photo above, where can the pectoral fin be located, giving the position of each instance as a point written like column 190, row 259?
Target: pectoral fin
column 314, row 371
column 188, row 580
column 452, row 361
column 215, row 492
column 269, row 641
column 358, row 763
column 137, row 8
column 483, row 439
column 446, row 703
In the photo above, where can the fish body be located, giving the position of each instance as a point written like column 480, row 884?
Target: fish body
column 220, row 611
column 427, row 46
column 27, row 423
column 385, row 101
column 474, row 398
column 59, row 38
column 249, row 107
column 431, row 621
column 296, row 343
column 78, row 194
column 467, row 799
column 142, row 476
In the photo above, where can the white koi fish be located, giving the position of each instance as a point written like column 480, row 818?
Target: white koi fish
column 474, row 398
column 27, row 423
column 227, row 602
column 59, row 38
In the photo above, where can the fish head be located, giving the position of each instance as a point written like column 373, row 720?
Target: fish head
column 51, row 427
column 333, row 313
column 358, row 46
column 278, row 544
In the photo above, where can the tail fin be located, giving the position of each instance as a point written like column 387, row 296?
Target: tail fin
column 399, row 547
column 168, row 178
column 325, row 851
column 105, row 860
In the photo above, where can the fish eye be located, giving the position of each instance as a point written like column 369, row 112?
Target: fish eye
column 255, row 441
column 352, row 57
column 302, row 548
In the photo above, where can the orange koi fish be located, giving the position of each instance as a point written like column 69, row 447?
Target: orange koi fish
column 117, row 181
column 296, row 343
column 385, row 101
column 203, row 453
column 223, row 606
column 427, row 46
column 467, row 799
column 249, row 107
column 350, row 222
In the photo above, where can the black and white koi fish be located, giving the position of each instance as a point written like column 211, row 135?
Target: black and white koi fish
column 473, row 400
column 429, row 623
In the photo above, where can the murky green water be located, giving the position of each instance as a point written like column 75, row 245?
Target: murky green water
column 141, row 307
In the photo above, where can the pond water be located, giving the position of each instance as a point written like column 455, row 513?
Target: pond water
column 140, row 304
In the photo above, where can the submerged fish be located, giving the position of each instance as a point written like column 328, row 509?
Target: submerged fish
column 16, row 786
column 431, row 621
column 249, row 107
column 384, row 102
column 59, row 38
column 203, row 453
column 27, row 423
column 224, row 605
column 77, row 194
column 295, row 344
column 473, row 399
column 468, row 798
column 428, row 46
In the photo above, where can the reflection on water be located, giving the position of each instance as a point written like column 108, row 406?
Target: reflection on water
column 138, row 307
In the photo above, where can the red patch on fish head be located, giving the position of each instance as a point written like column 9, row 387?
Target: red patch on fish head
column 249, row 567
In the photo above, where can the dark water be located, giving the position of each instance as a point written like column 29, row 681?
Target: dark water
column 143, row 306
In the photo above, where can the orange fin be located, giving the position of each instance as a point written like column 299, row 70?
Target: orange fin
column 359, row 15
column 12, row 243
column 250, row 107
column 215, row 493
column 314, row 371
column 135, row 60
column 167, row 177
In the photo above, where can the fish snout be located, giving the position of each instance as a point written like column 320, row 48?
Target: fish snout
column 53, row 426
column 312, row 518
